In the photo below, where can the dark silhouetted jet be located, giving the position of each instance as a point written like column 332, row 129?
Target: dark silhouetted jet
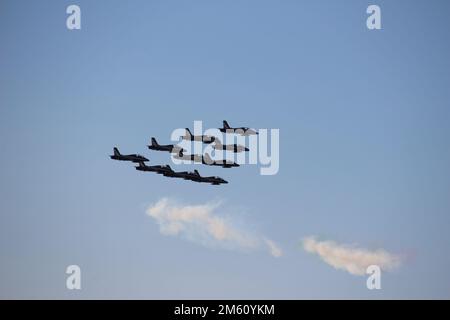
column 243, row 131
column 190, row 137
column 195, row 176
column 169, row 147
column 229, row 147
column 158, row 169
column 128, row 157
column 172, row 174
column 212, row 180
column 206, row 159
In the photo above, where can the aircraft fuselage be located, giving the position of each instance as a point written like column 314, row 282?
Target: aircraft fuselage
column 131, row 157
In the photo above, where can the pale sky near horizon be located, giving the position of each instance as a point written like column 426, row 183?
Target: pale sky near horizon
column 364, row 146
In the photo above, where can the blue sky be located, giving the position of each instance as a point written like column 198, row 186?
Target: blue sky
column 364, row 144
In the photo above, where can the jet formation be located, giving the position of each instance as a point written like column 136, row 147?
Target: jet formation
column 178, row 152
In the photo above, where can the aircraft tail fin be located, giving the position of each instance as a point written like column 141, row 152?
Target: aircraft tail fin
column 141, row 164
column 116, row 152
column 188, row 132
column 154, row 142
column 196, row 172
column 226, row 125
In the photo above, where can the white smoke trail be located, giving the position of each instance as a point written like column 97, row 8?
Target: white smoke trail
column 349, row 258
column 273, row 247
column 201, row 224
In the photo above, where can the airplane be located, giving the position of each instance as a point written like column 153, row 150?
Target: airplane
column 172, row 174
column 206, row 159
column 166, row 171
column 243, row 131
column 213, row 180
column 190, row 137
column 169, row 147
column 194, row 176
column 229, row 147
column 158, row 169
column 127, row 157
